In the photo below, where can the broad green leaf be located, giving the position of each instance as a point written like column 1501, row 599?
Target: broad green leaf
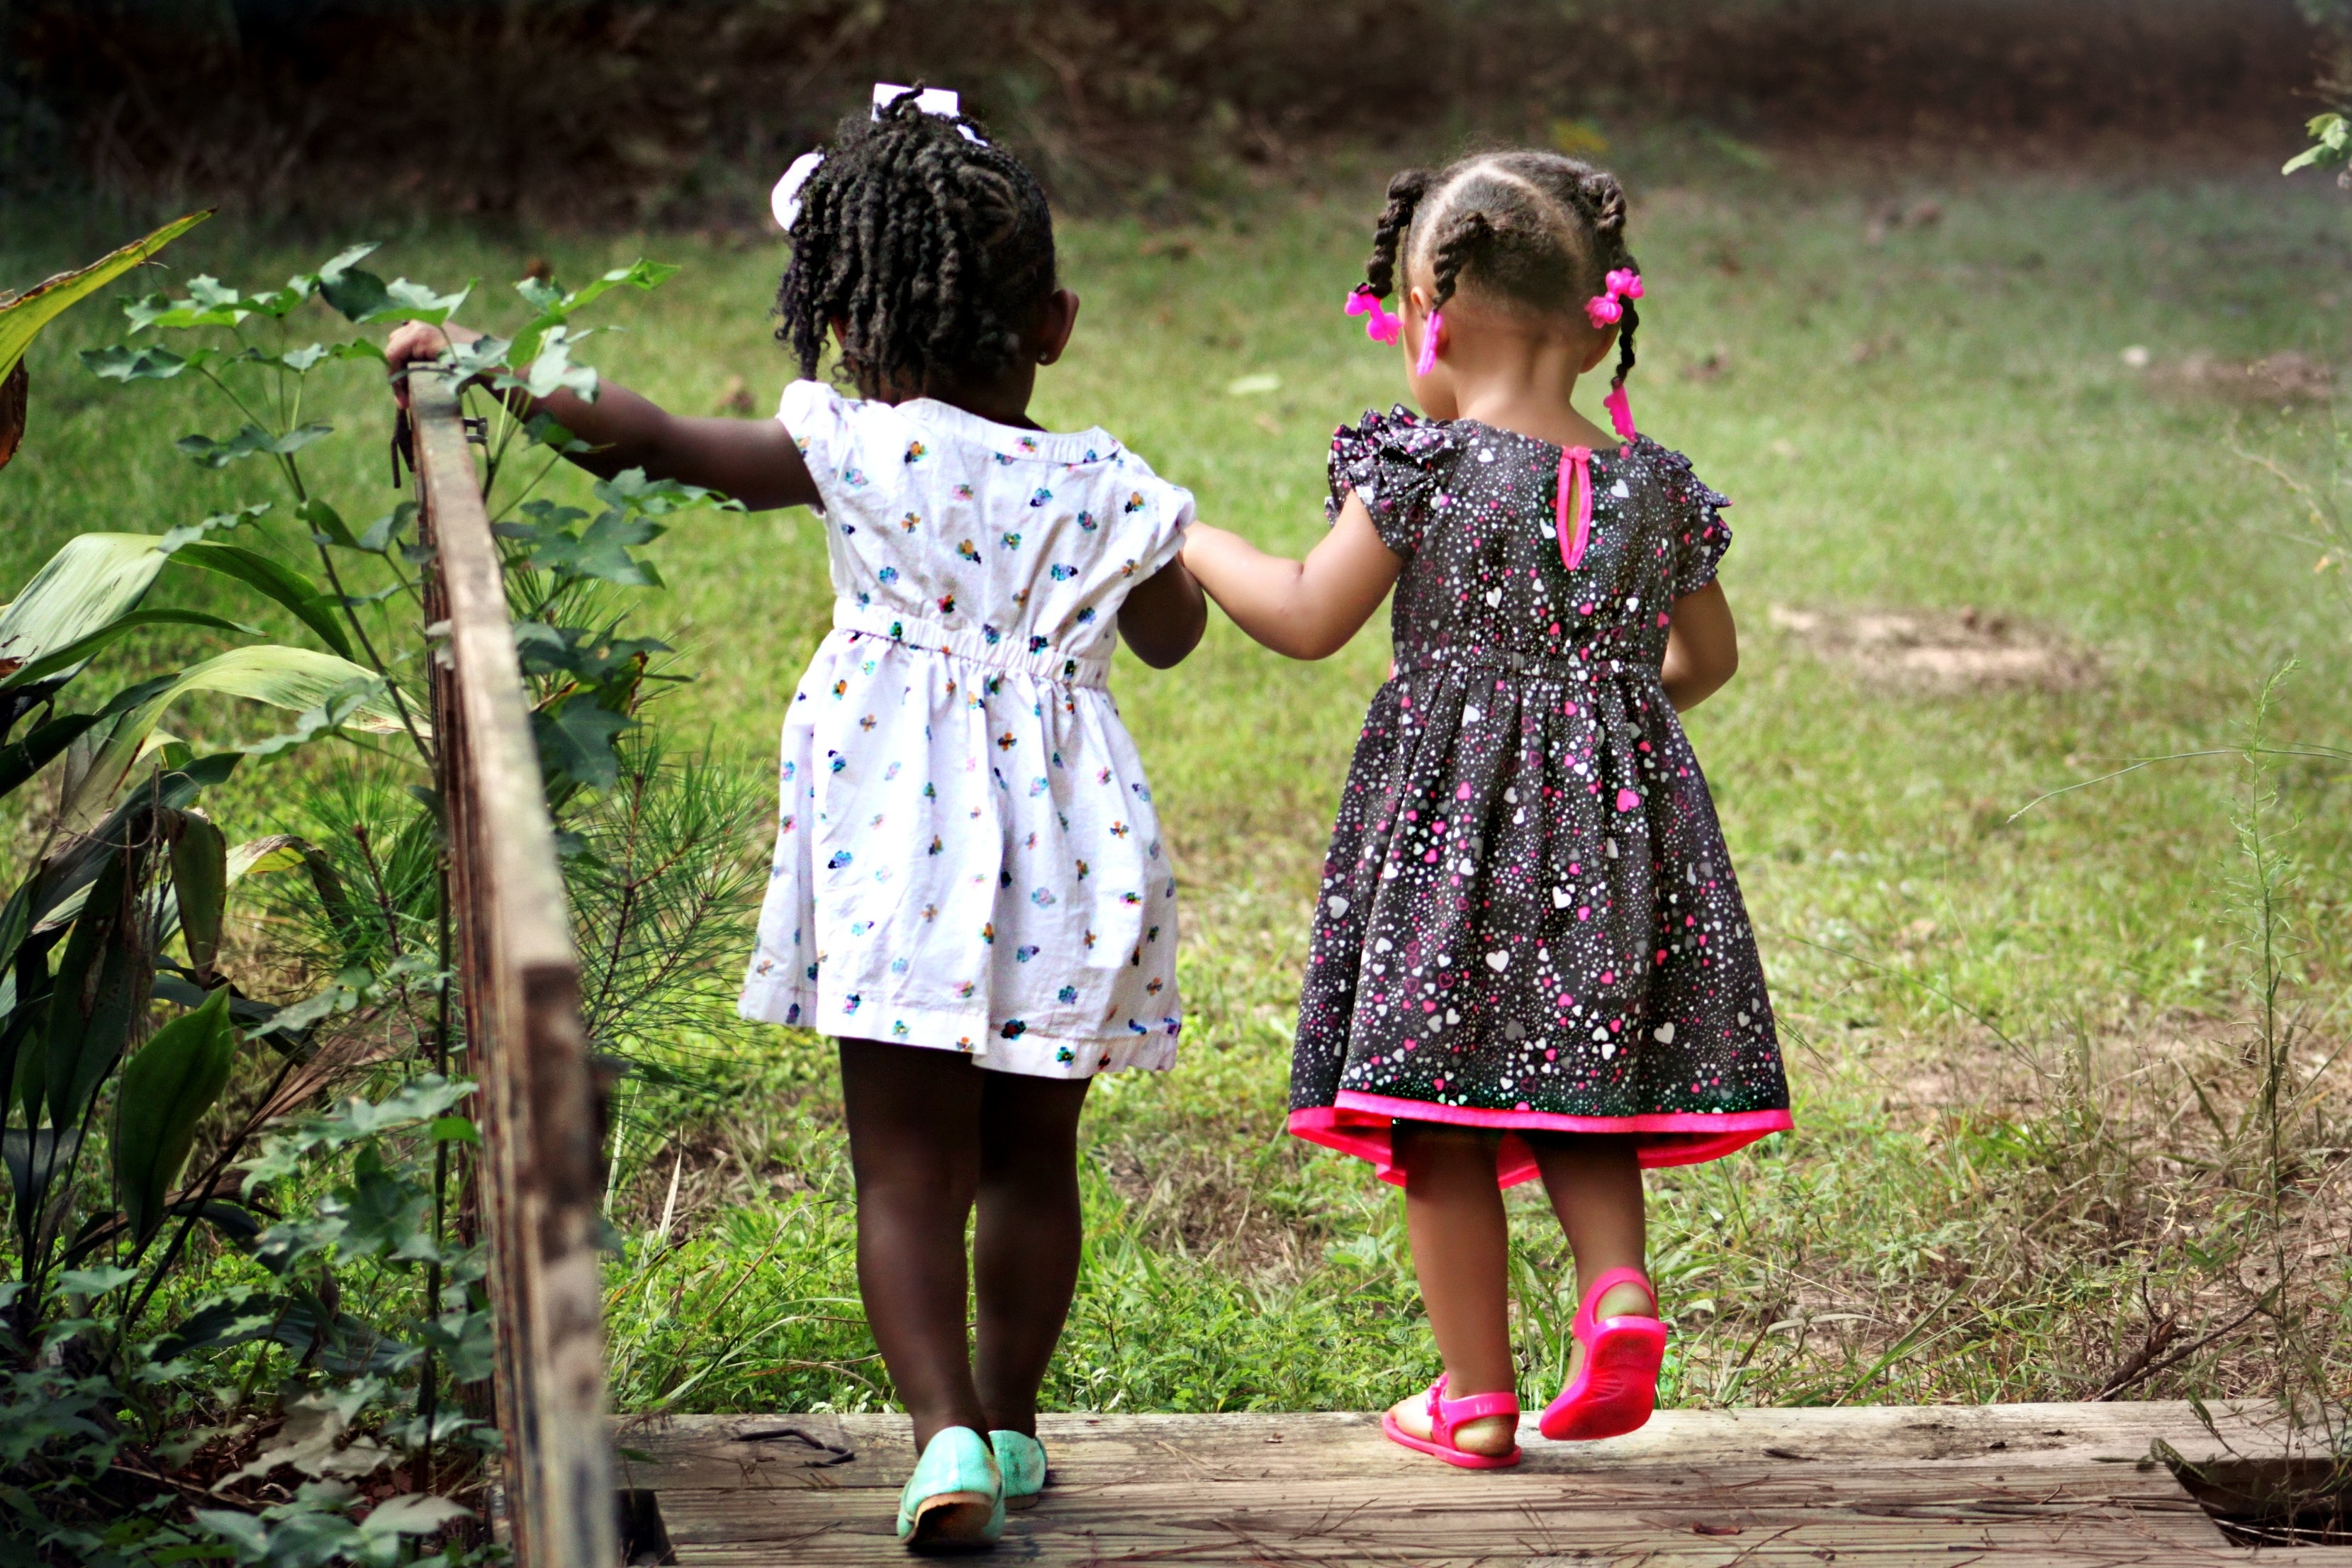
column 220, row 522
column 297, row 679
column 551, row 369
column 575, row 742
column 102, row 989
column 658, row 498
column 252, row 441
column 601, row 550
column 87, row 584
column 35, row 1161
column 167, row 1087
column 75, row 654
column 20, row 759
column 94, row 1281
column 340, row 709
column 327, row 524
column 22, row 319
column 311, row 604
column 200, row 883
column 125, row 363
column 264, row 856
column 385, row 531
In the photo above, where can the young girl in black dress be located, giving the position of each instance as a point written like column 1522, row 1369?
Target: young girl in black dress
column 1529, row 956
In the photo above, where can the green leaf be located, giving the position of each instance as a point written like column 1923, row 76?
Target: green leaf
column 21, row 760
column 252, row 441
column 296, row 679
column 641, row 275
column 326, row 525
column 102, row 989
column 453, row 1129
column 200, row 882
column 354, row 699
column 311, row 605
column 94, row 1281
column 22, row 319
column 127, row 364
column 385, row 531
column 602, row 552
column 166, row 1089
column 75, row 654
column 219, row 521
column 575, row 742
column 88, row 583
column 551, row 369
column 631, row 489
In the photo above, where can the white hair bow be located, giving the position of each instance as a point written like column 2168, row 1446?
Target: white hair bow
column 784, row 201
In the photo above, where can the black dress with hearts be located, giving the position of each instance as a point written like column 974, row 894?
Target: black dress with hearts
column 1528, row 920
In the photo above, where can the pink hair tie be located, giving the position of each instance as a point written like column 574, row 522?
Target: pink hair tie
column 1621, row 412
column 1604, row 310
column 1428, row 361
column 1575, row 474
column 1384, row 326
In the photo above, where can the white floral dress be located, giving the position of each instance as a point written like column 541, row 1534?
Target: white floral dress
column 967, row 856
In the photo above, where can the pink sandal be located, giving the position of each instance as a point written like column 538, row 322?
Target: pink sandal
column 1617, row 1387
column 1444, row 1416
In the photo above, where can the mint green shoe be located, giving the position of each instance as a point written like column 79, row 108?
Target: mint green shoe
column 955, row 1499
column 1021, row 1460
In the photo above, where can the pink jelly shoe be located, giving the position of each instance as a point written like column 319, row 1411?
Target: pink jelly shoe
column 1444, row 1416
column 1617, row 1387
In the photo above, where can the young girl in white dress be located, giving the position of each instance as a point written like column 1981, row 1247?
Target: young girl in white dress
column 969, row 889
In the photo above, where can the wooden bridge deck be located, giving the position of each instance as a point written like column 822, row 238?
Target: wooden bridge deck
column 2057, row 1484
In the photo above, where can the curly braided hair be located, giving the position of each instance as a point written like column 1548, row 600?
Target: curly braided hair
column 932, row 250
column 1533, row 228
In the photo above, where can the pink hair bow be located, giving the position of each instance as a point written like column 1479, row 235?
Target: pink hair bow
column 1605, row 309
column 1384, row 326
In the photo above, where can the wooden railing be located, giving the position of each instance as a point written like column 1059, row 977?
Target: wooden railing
column 537, row 1177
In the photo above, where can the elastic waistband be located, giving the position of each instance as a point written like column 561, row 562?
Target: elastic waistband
column 1537, row 667
column 998, row 650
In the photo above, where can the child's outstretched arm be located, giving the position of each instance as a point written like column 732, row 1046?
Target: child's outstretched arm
column 753, row 460
column 1305, row 609
column 1702, row 649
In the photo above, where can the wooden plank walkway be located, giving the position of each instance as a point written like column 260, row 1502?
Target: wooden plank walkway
column 2057, row 1484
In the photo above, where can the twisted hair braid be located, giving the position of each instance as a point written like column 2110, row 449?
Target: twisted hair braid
column 930, row 250
column 1405, row 195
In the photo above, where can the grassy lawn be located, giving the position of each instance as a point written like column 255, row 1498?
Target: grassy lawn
column 2019, row 1044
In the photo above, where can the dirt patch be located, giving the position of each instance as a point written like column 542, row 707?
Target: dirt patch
column 2287, row 379
column 1940, row 650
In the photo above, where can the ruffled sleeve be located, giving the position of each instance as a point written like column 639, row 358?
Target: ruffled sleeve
column 1390, row 462
column 1695, row 513
column 817, row 418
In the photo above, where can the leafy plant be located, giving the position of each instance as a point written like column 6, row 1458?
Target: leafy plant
column 21, row 317
column 340, row 1263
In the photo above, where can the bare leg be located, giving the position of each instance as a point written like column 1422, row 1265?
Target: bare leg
column 1594, row 1181
column 1461, row 1243
column 1025, row 1244
column 915, row 1146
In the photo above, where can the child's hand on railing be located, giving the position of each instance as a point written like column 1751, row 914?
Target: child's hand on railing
column 418, row 342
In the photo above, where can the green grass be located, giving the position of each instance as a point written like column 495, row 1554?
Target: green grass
column 1955, row 1218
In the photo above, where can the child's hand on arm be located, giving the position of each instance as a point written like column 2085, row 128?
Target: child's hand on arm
column 753, row 460
column 1702, row 649
column 1305, row 609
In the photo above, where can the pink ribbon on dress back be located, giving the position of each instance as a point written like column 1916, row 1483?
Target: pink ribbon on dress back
column 1576, row 474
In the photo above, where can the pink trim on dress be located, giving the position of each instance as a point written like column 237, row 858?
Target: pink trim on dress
column 1360, row 1125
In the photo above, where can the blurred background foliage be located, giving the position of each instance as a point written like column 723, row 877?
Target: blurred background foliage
column 670, row 113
